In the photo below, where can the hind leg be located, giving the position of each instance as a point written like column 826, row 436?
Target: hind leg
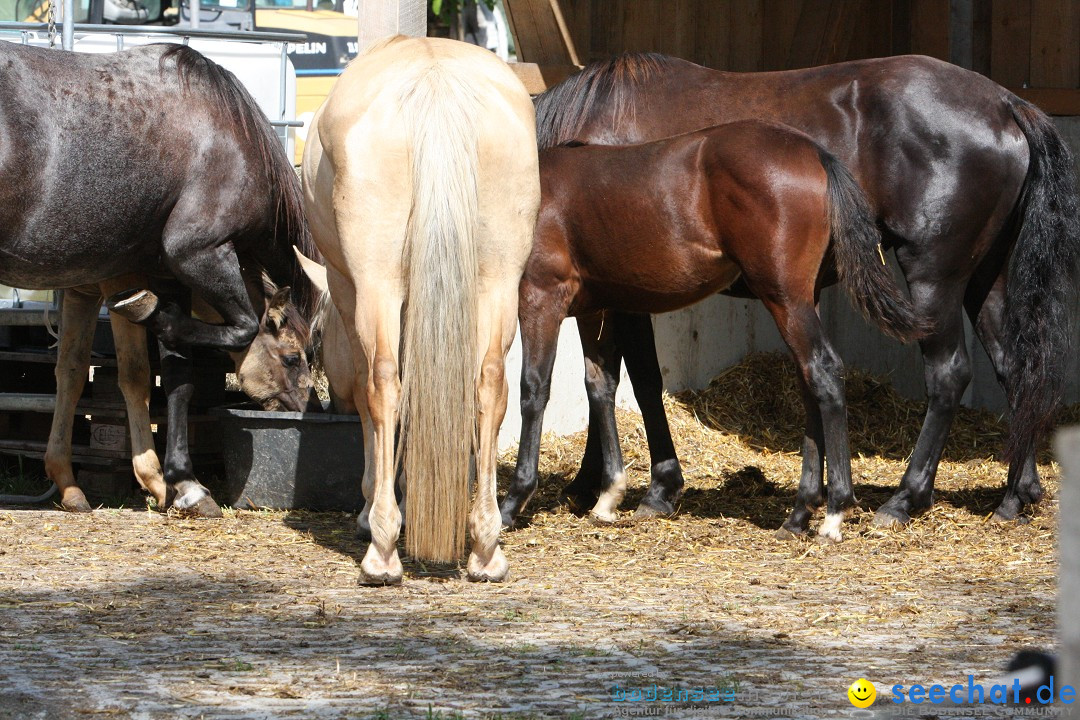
column 378, row 328
column 821, row 375
column 947, row 370
column 216, row 274
column 487, row 563
column 134, row 380
column 601, row 381
column 811, row 493
column 634, row 335
column 541, row 314
column 987, row 315
column 72, row 367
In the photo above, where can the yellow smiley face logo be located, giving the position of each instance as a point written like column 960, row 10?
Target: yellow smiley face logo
column 862, row 693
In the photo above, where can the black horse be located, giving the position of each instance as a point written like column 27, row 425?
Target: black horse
column 973, row 188
column 154, row 162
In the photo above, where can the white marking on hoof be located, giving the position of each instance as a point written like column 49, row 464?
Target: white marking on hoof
column 607, row 506
column 190, row 497
column 830, row 528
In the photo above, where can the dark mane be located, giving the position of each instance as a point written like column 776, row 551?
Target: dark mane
column 291, row 227
column 561, row 111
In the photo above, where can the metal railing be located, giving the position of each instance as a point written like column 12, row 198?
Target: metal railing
column 185, row 35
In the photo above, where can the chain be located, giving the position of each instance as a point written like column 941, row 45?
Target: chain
column 52, row 24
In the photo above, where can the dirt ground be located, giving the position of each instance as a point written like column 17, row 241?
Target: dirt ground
column 132, row 613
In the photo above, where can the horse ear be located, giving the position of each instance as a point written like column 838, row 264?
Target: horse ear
column 275, row 309
column 315, row 272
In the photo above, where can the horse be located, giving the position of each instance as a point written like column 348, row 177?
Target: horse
column 273, row 371
column 961, row 176
column 169, row 174
column 421, row 186
column 748, row 200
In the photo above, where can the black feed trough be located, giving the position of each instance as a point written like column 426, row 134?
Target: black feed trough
column 290, row 460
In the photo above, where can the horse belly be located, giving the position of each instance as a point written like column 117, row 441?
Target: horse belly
column 62, row 264
column 662, row 283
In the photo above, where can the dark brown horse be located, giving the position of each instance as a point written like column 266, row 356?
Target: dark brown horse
column 655, row 227
column 961, row 175
column 153, row 162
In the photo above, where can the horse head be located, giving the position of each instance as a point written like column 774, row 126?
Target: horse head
column 273, row 370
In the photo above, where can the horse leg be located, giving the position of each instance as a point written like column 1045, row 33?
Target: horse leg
column 987, row 315
column 602, row 363
column 487, row 563
column 378, row 330
column 947, row 370
column 821, row 375
column 634, row 336
column 215, row 273
column 811, row 493
column 72, row 367
column 541, row 316
column 584, row 490
column 134, row 380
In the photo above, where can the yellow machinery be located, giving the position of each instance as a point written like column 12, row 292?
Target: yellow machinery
column 331, row 44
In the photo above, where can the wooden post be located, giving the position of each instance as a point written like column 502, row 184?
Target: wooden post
column 379, row 18
column 1067, row 451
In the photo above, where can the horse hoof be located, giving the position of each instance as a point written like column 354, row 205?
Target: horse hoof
column 76, row 504
column 379, row 579
column 379, row 569
column 830, row 528
column 602, row 517
column 786, row 534
column 654, row 508
column 205, row 508
column 1000, row 517
column 888, row 521
column 134, row 305
column 494, row 570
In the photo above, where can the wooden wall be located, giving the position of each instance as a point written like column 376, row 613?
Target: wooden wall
column 1033, row 44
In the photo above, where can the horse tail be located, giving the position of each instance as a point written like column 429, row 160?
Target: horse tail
column 856, row 245
column 439, row 355
column 1040, row 286
column 198, row 73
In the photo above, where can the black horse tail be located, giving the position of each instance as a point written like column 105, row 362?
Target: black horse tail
column 860, row 262
column 1038, row 297
column 199, row 74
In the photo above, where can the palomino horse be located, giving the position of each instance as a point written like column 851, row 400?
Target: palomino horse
column 421, row 184
column 273, row 371
column 168, row 169
column 960, row 173
column 655, row 227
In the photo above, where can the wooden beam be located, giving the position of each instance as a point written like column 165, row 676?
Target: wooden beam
column 540, row 32
column 1052, row 101
column 379, row 18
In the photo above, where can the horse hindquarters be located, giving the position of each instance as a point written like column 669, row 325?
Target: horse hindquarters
column 1038, row 298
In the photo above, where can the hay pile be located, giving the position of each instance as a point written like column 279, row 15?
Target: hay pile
column 739, row 441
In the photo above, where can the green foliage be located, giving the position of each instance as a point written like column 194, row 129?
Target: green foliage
column 446, row 9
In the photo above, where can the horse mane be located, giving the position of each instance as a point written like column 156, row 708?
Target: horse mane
column 563, row 110
column 290, row 223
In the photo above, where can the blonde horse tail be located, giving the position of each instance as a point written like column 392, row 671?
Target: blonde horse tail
column 438, row 393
